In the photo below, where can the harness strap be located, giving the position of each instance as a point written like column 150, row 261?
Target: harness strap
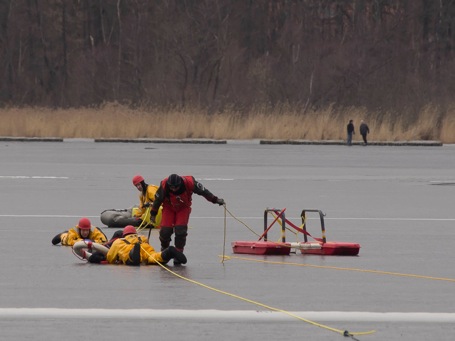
column 139, row 241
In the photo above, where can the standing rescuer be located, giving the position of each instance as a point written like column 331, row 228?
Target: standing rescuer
column 175, row 193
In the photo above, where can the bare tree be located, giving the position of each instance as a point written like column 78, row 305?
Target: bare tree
column 378, row 54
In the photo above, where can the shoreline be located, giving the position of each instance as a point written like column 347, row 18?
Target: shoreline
column 215, row 141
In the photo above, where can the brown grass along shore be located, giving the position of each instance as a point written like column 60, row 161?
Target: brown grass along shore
column 118, row 121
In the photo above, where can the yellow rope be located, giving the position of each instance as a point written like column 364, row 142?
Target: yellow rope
column 344, row 269
column 336, row 268
column 241, row 222
column 342, row 332
column 143, row 223
column 339, row 331
column 249, row 228
column 224, row 234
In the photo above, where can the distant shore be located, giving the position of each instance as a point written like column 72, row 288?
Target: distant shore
column 328, row 126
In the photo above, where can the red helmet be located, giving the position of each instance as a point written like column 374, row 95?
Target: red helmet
column 129, row 229
column 137, row 179
column 84, row 224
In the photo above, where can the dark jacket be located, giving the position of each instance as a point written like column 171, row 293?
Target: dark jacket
column 364, row 129
column 182, row 197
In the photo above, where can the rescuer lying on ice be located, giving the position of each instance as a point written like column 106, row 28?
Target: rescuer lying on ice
column 134, row 249
column 83, row 230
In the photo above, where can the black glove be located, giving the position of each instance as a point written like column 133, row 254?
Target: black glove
column 97, row 257
column 220, row 202
column 117, row 234
column 147, row 204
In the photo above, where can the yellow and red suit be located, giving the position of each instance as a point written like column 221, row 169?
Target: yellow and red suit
column 72, row 236
column 120, row 250
column 141, row 212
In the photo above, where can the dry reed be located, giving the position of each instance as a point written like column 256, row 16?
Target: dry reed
column 282, row 122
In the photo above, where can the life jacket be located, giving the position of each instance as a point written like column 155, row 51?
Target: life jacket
column 177, row 201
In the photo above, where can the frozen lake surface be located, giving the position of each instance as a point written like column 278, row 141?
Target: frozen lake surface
column 396, row 202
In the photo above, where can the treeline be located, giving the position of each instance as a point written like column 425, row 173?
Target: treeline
column 383, row 55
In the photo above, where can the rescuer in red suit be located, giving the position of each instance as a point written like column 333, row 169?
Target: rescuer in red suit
column 175, row 194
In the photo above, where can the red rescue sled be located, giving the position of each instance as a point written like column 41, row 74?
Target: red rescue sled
column 320, row 246
column 261, row 248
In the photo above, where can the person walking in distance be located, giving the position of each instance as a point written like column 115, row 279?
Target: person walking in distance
column 175, row 194
column 364, row 131
column 350, row 132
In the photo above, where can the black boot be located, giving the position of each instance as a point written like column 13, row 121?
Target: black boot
column 172, row 252
column 166, row 255
column 57, row 239
column 135, row 255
